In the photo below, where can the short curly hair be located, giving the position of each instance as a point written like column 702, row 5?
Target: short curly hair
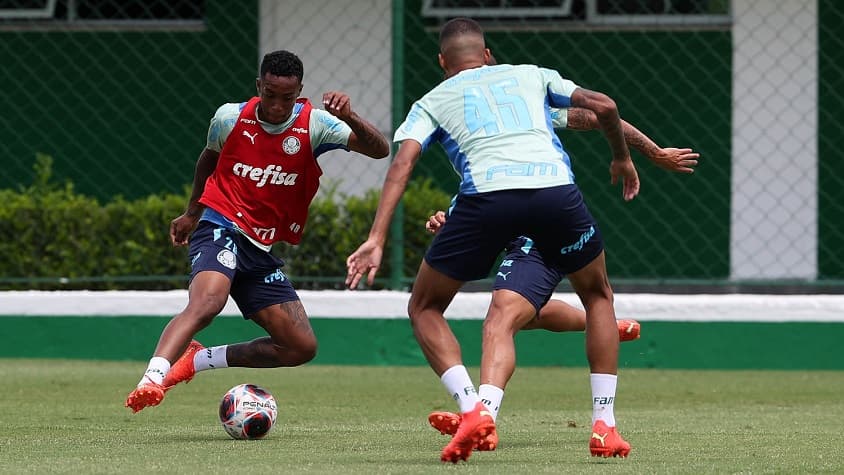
column 282, row 63
column 458, row 27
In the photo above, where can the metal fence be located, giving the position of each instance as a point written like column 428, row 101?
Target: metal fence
column 119, row 93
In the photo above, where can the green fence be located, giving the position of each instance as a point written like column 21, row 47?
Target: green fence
column 631, row 67
column 831, row 129
column 119, row 94
column 122, row 108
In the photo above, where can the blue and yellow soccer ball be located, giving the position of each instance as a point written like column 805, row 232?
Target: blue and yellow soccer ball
column 248, row 411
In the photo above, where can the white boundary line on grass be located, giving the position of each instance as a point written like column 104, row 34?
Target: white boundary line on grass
column 466, row 306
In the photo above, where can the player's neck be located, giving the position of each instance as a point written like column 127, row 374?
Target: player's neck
column 467, row 65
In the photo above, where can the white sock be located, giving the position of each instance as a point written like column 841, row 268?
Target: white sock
column 210, row 358
column 603, row 397
column 460, row 387
column 491, row 396
column 156, row 370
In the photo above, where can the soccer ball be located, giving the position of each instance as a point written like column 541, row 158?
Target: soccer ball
column 248, row 412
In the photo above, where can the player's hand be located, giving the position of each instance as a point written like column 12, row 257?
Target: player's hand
column 435, row 222
column 680, row 160
column 626, row 172
column 338, row 104
column 365, row 260
column 181, row 228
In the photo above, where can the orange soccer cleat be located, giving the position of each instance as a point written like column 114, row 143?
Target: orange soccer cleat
column 606, row 442
column 147, row 394
column 628, row 330
column 474, row 425
column 447, row 422
column 183, row 369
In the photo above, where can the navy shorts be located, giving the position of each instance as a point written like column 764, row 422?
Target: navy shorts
column 480, row 226
column 525, row 272
column 255, row 274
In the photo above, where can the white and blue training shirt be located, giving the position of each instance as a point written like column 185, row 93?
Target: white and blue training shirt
column 496, row 125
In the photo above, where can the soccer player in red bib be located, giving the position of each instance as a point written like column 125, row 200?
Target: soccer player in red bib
column 252, row 187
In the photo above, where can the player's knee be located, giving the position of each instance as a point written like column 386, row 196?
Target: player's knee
column 203, row 309
column 414, row 307
column 303, row 351
column 421, row 307
column 493, row 326
column 308, row 350
column 501, row 324
column 598, row 294
column 508, row 312
column 414, row 310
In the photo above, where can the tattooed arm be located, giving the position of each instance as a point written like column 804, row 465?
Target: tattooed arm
column 365, row 138
column 681, row 160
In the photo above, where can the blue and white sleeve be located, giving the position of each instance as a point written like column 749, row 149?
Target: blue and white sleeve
column 419, row 126
column 221, row 126
column 328, row 132
column 559, row 89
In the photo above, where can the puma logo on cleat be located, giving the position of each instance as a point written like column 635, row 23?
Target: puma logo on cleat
column 630, row 328
column 600, row 438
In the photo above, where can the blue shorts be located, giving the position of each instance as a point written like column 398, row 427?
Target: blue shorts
column 479, row 226
column 255, row 274
column 525, row 272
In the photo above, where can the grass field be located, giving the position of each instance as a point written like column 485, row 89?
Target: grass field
column 60, row 416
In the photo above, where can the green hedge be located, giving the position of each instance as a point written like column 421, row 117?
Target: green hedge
column 52, row 237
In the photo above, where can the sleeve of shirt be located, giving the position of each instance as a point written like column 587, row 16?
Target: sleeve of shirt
column 419, row 125
column 559, row 89
column 221, row 126
column 327, row 132
column 559, row 118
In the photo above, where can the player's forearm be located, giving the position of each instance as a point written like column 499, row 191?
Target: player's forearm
column 638, row 140
column 195, row 208
column 581, row 119
column 391, row 193
column 370, row 140
column 611, row 125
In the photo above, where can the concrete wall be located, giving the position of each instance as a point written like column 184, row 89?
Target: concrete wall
column 774, row 212
column 344, row 46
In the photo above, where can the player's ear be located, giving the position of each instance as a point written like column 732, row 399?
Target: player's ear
column 489, row 60
column 258, row 85
column 441, row 60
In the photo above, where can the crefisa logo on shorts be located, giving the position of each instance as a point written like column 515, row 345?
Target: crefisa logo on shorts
column 580, row 242
column 277, row 276
column 227, row 258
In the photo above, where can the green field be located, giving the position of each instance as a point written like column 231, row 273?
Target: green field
column 60, row 416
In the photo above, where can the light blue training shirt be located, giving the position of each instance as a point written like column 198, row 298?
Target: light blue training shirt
column 496, row 125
